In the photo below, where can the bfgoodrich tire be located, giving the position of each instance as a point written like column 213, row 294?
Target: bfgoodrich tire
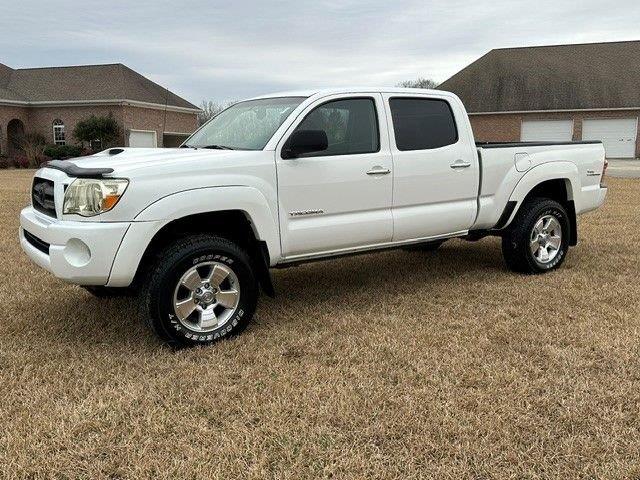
column 201, row 289
column 538, row 239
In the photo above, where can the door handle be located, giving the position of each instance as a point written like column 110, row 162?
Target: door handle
column 460, row 164
column 379, row 171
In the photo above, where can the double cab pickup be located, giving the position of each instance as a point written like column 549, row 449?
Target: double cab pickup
column 288, row 178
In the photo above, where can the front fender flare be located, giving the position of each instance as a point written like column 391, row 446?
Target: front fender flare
column 263, row 220
column 249, row 200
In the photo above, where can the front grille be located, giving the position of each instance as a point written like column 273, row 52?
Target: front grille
column 36, row 242
column 42, row 196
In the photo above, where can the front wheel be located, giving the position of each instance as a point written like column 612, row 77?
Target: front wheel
column 202, row 289
column 538, row 239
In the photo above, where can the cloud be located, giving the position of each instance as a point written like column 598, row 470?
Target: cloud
column 230, row 50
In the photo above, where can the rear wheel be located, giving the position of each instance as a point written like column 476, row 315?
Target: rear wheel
column 538, row 239
column 202, row 289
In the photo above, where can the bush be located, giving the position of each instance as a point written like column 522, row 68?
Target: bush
column 21, row 161
column 62, row 152
column 4, row 162
column 32, row 144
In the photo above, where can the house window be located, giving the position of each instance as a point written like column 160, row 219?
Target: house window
column 58, row 132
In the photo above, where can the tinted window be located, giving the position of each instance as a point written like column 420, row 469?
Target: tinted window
column 351, row 126
column 421, row 124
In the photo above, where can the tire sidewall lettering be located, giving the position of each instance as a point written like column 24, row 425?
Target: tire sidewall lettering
column 212, row 257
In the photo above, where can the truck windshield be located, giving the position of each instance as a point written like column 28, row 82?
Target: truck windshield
column 244, row 126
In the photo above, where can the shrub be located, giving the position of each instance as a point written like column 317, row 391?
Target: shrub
column 4, row 162
column 32, row 144
column 20, row 160
column 62, row 152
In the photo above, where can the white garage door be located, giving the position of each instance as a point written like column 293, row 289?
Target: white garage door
column 139, row 138
column 617, row 134
column 547, row 131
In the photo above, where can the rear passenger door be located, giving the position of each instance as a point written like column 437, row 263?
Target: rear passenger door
column 436, row 171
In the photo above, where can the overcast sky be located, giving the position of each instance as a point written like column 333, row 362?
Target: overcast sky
column 231, row 50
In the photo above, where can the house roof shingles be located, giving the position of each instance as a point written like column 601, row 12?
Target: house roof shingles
column 83, row 83
column 563, row 77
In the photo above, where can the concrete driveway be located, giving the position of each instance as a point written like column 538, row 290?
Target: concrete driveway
column 624, row 168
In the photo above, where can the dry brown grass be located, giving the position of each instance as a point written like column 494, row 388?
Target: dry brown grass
column 394, row 365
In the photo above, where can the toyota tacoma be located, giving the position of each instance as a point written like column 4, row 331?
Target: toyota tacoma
column 283, row 179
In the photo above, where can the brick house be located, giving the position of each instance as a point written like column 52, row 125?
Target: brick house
column 51, row 100
column 563, row 92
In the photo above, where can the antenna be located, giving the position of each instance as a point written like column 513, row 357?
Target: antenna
column 164, row 122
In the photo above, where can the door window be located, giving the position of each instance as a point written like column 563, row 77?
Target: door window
column 351, row 126
column 422, row 123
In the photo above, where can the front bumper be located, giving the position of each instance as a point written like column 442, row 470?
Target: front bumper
column 77, row 252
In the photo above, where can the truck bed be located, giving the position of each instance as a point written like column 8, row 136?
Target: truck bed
column 505, row 164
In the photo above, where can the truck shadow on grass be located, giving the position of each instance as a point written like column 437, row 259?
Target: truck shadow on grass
column 349, row 282
column 392, row 271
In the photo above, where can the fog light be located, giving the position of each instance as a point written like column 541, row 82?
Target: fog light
column 77, row 253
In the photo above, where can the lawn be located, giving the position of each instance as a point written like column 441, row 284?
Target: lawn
column 390, row 365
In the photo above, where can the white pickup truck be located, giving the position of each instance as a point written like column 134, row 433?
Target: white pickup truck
column 295, row 177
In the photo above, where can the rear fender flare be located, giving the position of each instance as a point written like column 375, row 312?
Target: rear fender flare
column 566, row 171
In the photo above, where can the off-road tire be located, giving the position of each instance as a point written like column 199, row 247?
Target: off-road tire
column 176, row 259
column 516, row 240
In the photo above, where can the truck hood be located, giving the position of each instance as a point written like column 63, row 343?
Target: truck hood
column 127, row 161
column 156, row 173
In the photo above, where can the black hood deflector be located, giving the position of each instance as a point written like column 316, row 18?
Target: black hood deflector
column 74, row 170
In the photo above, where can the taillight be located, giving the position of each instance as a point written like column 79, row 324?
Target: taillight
column 604, row 170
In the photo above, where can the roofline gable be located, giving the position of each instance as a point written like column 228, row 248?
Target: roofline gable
column 114, row 81
column 572, row 77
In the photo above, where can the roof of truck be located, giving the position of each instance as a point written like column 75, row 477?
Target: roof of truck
column 340, row 90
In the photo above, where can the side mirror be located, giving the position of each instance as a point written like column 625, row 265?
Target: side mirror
column 305, row 141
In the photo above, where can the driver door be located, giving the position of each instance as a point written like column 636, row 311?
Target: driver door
column 339, row 199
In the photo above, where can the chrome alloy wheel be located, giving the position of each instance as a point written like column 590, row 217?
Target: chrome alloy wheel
column 546, row 239
column 206, row 296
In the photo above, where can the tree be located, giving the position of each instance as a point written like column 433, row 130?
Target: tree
column 103, row 129
column 420, row 82
column 210, row 109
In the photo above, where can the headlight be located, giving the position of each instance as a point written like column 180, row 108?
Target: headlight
column 89, row 197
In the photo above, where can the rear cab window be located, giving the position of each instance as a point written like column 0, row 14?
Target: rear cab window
column 422, row 123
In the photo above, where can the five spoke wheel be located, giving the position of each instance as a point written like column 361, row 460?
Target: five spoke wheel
column 206, row 296
column 546, row 239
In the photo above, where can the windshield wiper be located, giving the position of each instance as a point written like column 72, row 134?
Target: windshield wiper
column 212, row 147
column 217, row 147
